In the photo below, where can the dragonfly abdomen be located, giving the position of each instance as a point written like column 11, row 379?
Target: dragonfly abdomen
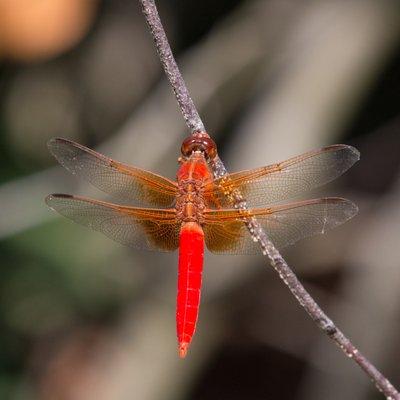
column 190, row 268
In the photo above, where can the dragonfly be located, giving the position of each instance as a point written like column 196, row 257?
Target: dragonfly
column 198, row 210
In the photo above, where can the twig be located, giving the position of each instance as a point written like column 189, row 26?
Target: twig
column 174, row 76
column 194, row 123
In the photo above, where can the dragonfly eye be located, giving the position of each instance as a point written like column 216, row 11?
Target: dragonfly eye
column 199, row 141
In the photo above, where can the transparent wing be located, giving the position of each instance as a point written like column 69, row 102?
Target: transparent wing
column 225, row 231
column 141, row 228
column 284, row 180
column 120, row 180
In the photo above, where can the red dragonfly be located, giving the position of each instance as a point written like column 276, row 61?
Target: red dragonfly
column 198, row 209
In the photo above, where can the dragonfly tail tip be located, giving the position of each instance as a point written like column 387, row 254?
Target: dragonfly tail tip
column 182, row 349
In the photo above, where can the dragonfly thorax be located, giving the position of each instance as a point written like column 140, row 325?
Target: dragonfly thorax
column 190, row 201
column 192, row 177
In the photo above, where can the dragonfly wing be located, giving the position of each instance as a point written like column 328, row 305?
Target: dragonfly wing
column 142, row 228
column 284, row 180
column 120, row 180
column 225, row 231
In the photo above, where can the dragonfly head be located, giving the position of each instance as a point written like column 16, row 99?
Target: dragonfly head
column 199, row 141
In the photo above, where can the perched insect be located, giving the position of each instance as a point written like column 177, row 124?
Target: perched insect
column 198, row 208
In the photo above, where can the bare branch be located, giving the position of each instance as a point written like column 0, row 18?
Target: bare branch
column 171, row 69
column 267, row 247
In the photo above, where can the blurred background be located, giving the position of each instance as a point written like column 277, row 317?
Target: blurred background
column 82, row 317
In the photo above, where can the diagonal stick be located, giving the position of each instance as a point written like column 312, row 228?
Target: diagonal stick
column 195, row 124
